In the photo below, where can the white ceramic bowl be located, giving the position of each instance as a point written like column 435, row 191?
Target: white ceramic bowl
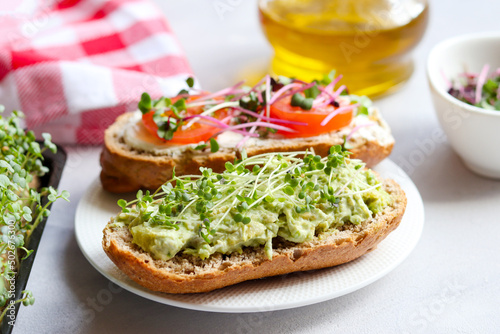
column 474, row 133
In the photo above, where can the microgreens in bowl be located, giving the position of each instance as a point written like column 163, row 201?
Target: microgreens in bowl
column 478, row 89
column 21, row 207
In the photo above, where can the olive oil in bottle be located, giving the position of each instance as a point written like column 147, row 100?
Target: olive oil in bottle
column 367, row 41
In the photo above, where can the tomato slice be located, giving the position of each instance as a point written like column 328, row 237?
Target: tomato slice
column 195, row 133
column 282, row 109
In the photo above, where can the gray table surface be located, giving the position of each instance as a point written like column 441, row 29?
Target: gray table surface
column 449, row 284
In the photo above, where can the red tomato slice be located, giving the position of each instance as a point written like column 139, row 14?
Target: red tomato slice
column 283, row 110
column 196, row 133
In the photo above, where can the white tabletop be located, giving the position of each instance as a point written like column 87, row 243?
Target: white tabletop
column 448, row 284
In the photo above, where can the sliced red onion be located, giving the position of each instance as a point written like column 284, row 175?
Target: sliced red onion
column 293, row 92
column 226, row 119
column 356, row 128
column 267, row 78
column 322, row 100
column 260, row 116
column 264, row 118
column 468, row 75
column 224, row 91
column 255, row 125
column 209, row 118
column 282, row 90
column 259, row 97
column 333, row 83
column 465, row 96
column 219, row 124
column 244, row 133
column 338, row 111
column 197, row 103
column 323, row 90
column 242, row 142
column 268, row 94
column 322, row 103
column 263, row 124
column 334, row 96
column 339, row 91
column 480, row 82
column 258, row 84
column 244, row 92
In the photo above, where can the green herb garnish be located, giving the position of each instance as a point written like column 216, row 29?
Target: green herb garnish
column 328, row 78
column 21, row 207
column 298, row 181
column 299, row 100
column 481, row 90
column 214, row 145
column 145, row 104
column 312, row 92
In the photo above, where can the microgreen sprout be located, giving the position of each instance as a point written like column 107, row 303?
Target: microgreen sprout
column 478, row 89
column 299, row 100
column 145, row 103
column 303, row 180
column 214, row 146
column 248, row 111
column 21, row 209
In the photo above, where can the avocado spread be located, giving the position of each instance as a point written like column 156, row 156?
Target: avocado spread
column 296, row 196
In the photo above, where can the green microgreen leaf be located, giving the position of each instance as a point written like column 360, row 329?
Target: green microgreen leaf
column 145, row 103
column 229, row 167
column 4, row 181
column 162, row 104
column 328, row 78
column 298, row 100
column 289, row 191
column 65, row 195
column 312, row 92
column 490, row 87
column 22, row 209
column 122, row 203
column 284, row 80
column 214, row 146
column 179, row 105
column 497, row 105
column 362, row 110
column 201, row 147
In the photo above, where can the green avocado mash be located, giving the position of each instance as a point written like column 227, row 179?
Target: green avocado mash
column 252, row 202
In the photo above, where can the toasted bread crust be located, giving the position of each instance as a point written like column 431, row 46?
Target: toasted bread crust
column 189, row 274
column 125, row 169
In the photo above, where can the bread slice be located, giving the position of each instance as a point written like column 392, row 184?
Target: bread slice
column 126, row 168
column 189, row 274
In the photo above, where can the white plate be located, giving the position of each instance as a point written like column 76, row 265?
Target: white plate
column 275, row 293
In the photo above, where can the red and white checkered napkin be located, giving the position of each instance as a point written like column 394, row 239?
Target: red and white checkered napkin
column 73, row 66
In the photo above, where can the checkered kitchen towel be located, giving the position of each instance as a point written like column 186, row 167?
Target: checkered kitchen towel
column 73, row 66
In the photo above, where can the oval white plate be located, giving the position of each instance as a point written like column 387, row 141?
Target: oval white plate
column 275, row 293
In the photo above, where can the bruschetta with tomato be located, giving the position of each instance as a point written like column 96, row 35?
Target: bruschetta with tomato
column 201, row 129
